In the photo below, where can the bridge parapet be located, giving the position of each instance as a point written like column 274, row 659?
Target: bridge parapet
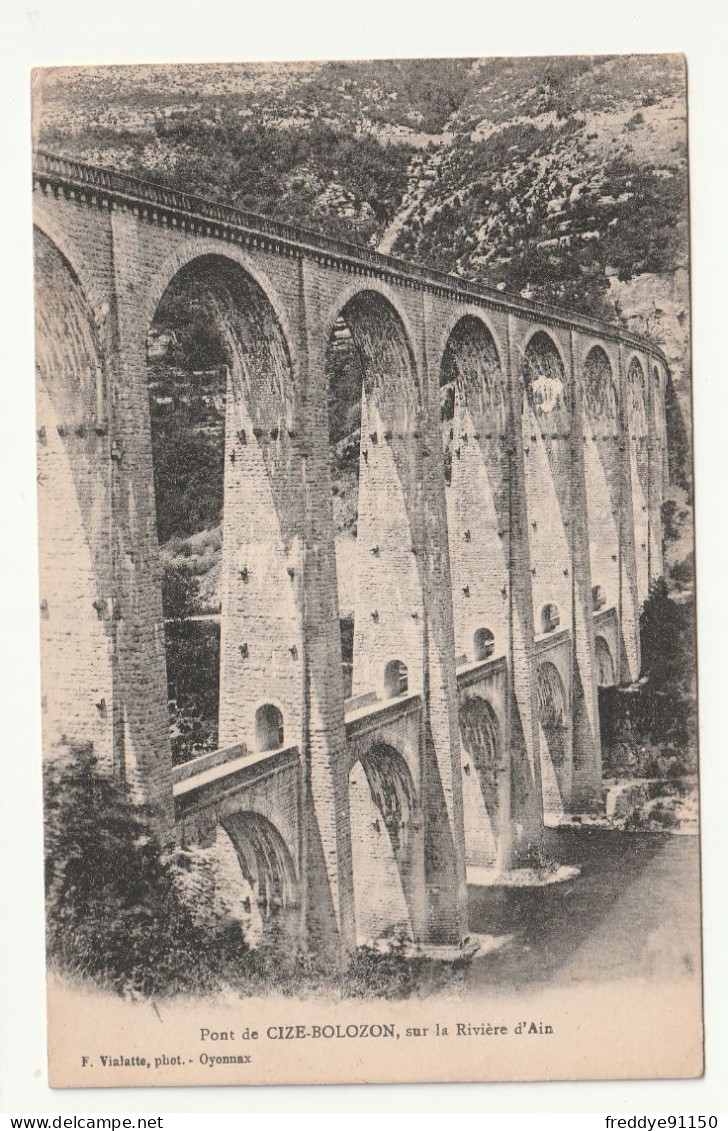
column 480, row 671
column 547, row 641
column 204, row 762
column 64, row 172
column 208, row 785
column 380, row 713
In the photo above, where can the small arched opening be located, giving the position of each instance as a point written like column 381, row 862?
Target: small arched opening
column 550, row 617
column 483, row 644
column 268, row 728
column 395, row 679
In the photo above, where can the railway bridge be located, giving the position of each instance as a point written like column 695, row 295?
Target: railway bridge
column 495, row 591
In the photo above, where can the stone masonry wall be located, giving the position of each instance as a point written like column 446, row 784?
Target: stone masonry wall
column 559, row 466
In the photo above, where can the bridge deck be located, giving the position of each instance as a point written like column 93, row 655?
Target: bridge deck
column 262, row 231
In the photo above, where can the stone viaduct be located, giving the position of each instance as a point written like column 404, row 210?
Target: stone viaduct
column 493, row 598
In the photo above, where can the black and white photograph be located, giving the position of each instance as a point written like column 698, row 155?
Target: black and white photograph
column 367, row 571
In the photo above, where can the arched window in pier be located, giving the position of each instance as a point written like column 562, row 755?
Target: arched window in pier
column 395, row 679
column 550, row 617
column 268, row 728
column 483, row 644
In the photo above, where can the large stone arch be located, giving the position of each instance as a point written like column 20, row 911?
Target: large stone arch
column 554, row 718
column 602, row 470
column 637, row 396
column 74, row 257
column 257, row 462
column 548, row 468
column 449, row 325
column 601, row 393
column 473, row 382
column 199, row 247
column 364, row 285
column 76, row 353
column 374, row 396
column 471, row 360
column 637, row 399
column 74, row 503
column 386, row 846
column 544, row 374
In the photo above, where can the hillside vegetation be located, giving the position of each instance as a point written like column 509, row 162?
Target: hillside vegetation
column 561, row 177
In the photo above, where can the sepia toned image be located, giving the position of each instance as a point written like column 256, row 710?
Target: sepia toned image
column 367, row 602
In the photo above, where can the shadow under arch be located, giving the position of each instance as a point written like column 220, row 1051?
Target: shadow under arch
column 638, row 425
column 385, row 837
column 549, row 473
column 375, row 440
column 601, row 395
column 473, row 393
column 270, row 890
column 606, row 676
column 76, row 572
column 554, row 736
column 44, row 225
column 608, row 535
column 224, row 410
column 544, row 378
column 474, row 398
column 482, row 756
column 69, row 353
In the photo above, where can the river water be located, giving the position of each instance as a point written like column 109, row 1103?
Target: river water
column 633, row 912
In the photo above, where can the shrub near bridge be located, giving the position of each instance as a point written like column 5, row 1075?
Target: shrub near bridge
column 650, row 730
column 117, row 910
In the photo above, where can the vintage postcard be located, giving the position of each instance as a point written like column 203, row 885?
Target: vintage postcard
column 367, row 571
